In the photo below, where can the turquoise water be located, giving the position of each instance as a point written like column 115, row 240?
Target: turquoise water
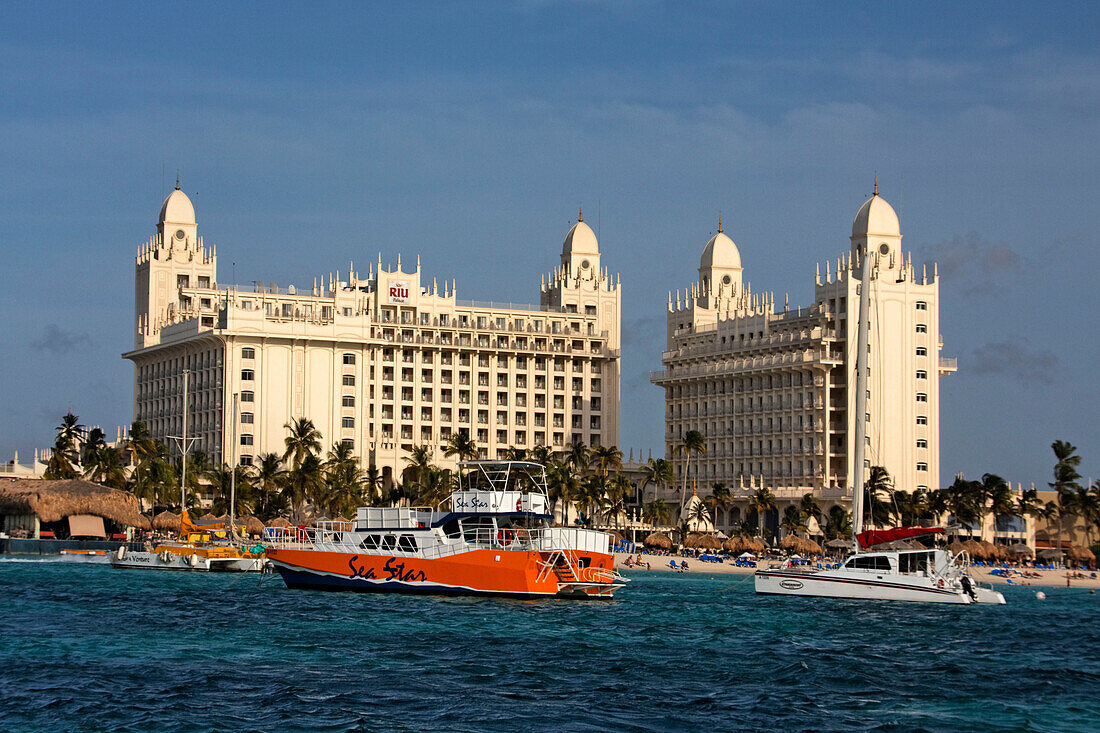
column 85, row 647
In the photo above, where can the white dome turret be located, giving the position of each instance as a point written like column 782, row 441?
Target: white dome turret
column 876, row 218
column 580, row 240
column 720, row 252
column 177, row 208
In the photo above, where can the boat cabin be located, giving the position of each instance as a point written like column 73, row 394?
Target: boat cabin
column 909, row 562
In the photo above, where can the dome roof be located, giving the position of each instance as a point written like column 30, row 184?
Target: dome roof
column 177, row 209
column 876, row 217
column 720, row 252
column 580, row 240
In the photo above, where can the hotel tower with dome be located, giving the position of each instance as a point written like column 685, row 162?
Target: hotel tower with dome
column 384, row 359
column 768, row 385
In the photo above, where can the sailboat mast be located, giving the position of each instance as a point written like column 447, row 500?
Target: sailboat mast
column 233, row 474
column 860, row 417
column 183, row 446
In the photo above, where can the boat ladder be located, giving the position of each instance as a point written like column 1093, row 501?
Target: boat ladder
column 575, row 580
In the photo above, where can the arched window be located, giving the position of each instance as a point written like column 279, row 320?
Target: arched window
column 921, row 305
column 921, row 351
column 347, row 422
column 921, row 328
column 922, row 466
column 349, row 359
column 248, row 353
column 921, row 374
column 247, row 396
column 922, row 397
column 247, row 375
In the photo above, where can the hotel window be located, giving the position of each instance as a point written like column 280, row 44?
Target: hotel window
column 247, row 396
column 922, row 466
column 248, row 353
column 348, row 442
column 481, row 321
column 287, row 310
column 921, row 305
column 921, row 351
column 204, row 281
column 183, row 281
column 247, row 418
column 921, row 374
column 922, row 397
column 248, row 375
column 246, row 439
column 347, row 422
column 348, row 401
column 922, row 443
column 922, row 420
column 349, row 359
column 346, row 312
column 921, row 328
column 349, row 380
column 246, row 460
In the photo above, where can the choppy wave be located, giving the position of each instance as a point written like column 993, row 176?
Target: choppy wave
column 87, row 647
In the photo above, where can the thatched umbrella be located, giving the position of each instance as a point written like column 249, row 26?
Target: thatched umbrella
column 1020, row 549
column 809, row 547
column 1050, row 553
column 702, row 541
column 253, row 526
column 1079, row 554
column 956, row 547
column 208, row 517
column 279, row 522
column 838, row 544
column 166, row 521
column 734, row 545
column 52, row 501
column 659, row 540
column 790, row 542
column 755, row 544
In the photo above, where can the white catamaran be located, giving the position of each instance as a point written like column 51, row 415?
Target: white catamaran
column 935, row 576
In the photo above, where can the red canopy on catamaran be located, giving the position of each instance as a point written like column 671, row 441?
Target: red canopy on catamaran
column 877, row 537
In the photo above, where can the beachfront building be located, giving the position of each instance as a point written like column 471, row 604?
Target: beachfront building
column 383, row 360
column 768, row 385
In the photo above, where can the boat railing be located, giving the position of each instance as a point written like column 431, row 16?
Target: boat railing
column 548, row 539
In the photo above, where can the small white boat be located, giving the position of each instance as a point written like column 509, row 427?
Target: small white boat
column 932, row 576
column 227, row 559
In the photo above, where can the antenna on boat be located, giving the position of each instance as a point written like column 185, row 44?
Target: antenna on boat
column 233, row 474
column 184, row 447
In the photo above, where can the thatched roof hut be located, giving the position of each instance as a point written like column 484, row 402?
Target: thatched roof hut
column 734, row 545
column 838, row 544
column 253, row 526
column 755, row 544
column 52, row 501
column 794, row 543
column 279, row 522
column 166, row 521
column 702, row 541
column 1079, row 554
column 659, row 540
column 1050, row 553
column 1020, row 549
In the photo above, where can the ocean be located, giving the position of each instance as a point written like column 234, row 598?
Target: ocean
column 88, row 648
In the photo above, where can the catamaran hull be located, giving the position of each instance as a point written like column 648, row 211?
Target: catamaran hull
column 770, row 582
column 130, row 560
column 477, row 572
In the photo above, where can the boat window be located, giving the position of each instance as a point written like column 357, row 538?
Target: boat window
column 370, row 542
column 913, row 562
column 406, row 543
column 882, row 563
column 388, row 541
column 878, row 562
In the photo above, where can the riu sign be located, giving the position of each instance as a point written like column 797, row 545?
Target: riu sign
column 399, row 291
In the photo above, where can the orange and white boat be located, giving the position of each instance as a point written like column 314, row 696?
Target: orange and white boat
column 491, row 537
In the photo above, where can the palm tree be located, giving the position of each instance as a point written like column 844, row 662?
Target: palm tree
column 996, row 498
column 761, row 502
column 541, row 454
column 810, row 508
column 877, row 490
column 578, row 457
column 93, row 444
column 838, row 523
column 720, row 499
column 607, row 457
column 419, row 460
column 657, row 471
column 304, row 484
column 104, row 466
column 303, row 441
column 462, row 447
column 223, row 482
column 515, row 454
column 269, row 480
column 1065, row 480
column 593, row 496
column 431, row 487
column 343, row 480
column 793, row 520
column 960, row 500
column 656, row 512
column 66, row 449
column 373, row 483
column 562, row 485
column 694, row 444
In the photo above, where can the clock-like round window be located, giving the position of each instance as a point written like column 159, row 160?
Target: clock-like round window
column 180, row 234
column 584, row 264
column 884, row 248
column 727, row 279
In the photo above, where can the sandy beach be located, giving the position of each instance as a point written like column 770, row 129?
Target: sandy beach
column 1050, row 578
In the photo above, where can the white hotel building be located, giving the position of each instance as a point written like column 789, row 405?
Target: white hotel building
column 768, row 387
column 384, row 360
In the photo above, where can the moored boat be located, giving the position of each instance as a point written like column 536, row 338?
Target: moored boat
column 490, row 537
column 202, row 546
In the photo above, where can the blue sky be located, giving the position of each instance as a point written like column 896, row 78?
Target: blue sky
column 308, row 135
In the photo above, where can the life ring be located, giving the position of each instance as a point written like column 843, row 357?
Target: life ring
column 121, row 552
column 939, row 583
column 519, row 505
column 505, row 537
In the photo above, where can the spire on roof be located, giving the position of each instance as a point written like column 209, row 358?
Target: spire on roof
column 875, row 192
column 580, row 213
column 177, row 180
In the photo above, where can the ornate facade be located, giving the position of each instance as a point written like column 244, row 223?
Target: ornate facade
column 768, row 386
column 384, row 360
